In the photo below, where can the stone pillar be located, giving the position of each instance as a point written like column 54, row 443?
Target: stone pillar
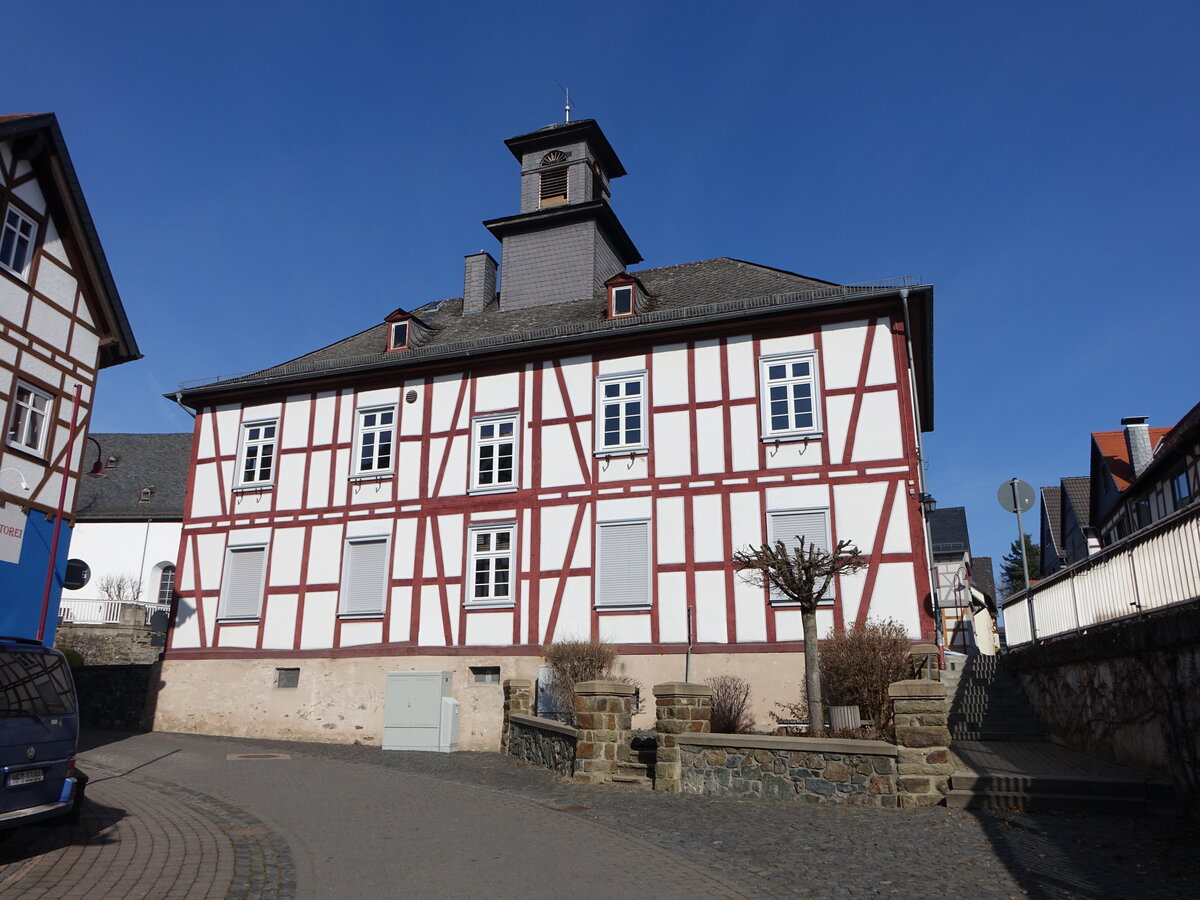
column 604, row 713
column 518, row 698
column 923, row 765
column 680, row 708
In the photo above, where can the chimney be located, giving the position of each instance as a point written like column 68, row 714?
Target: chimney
column 1137, row 439
column 479, row 282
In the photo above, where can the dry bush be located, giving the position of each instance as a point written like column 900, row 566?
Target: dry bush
column 790, row 712
column 730, row 705
column 573, row 661
column 858, row 664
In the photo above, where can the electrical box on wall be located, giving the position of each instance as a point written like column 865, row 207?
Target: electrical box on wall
column 415, row 714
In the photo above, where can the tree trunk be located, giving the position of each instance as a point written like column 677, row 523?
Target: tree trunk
column 812, row 674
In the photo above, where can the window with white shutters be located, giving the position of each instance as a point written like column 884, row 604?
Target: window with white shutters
column 242, row 589
column 623, row 564
column 789, row 526
column 364, row 577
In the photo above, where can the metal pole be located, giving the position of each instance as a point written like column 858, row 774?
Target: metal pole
column 1012, row 484
column 687, row 660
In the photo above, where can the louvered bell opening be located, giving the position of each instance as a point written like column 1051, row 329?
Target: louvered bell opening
column 554, row 187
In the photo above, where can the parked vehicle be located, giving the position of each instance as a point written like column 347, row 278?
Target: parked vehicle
column 39, row 732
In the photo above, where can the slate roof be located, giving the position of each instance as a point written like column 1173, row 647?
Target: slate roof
column 982, row 575
column 1052, row 512
column 948, row 530
column 679, row 294
column 1115, row 451
column 1077, row 491
column 158, row 461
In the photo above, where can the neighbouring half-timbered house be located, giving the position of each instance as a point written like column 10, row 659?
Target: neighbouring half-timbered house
column 575, row 455
column 61, row 322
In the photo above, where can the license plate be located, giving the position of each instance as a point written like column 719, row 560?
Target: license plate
column 30, row 776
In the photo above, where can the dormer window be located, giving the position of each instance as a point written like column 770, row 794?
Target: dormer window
column 398, row 336
column 553, row 191
column 621, row 302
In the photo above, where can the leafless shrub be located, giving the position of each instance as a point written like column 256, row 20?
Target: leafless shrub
column 122, row 588
column 575, row 661
column 858, row 664
column 788, row 715
column 730, row 705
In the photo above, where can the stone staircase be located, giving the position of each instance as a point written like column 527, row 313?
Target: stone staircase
column 1009, row 765
column 637, row 769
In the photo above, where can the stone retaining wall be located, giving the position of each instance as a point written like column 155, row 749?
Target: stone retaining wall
column 113, row 696
column 543, row 742
column 810, row 770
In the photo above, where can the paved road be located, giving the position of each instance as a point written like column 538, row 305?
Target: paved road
column 188, row 816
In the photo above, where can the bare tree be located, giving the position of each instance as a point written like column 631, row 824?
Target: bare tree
column 802, row 575
column 123, row 588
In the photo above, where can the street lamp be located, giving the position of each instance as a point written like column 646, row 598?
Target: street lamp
column 20, row 474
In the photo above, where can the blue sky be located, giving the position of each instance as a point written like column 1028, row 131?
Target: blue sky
column 267, row 178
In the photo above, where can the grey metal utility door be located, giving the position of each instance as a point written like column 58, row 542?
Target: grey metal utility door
column 412, row 711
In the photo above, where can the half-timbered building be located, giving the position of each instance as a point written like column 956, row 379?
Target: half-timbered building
column 576, row 454
column 61, row 321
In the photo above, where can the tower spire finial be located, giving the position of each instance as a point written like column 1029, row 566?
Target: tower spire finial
column 567, row 104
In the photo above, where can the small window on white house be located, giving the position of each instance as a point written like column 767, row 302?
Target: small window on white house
column 376, row 428
column 485, row 674
column 623, row 564
column 257, row 463
column 166, row 584
column 398, row 336
column 492, row 552
column 621, row 301
column 30, row 419
column 621, row 419
column 16, row 241
column 789, row 395
column 242, row 585
column 364, row 577
column 790, row 525
column 494, row 454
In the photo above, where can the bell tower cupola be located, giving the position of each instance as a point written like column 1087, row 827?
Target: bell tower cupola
column 566, row 241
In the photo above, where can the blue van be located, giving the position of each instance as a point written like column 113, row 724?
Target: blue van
column 39, row 732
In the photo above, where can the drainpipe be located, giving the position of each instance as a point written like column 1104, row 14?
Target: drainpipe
column 62, row 505
column 912, row 389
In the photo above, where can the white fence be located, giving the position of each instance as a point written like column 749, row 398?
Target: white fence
column 104, row 612
column 1159, row 566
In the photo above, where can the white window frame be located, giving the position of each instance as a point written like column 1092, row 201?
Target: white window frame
column 393, row 328
column 25, row 413
column 258, row 443
column 223, row 612
column 625, row 447
column 790, row 542
column 474, row 555
column 12, row 231
column 363, row 430
column 495, row 442
column 613, row 293
column 769, row 432
column 366, row 607
column 611, row 574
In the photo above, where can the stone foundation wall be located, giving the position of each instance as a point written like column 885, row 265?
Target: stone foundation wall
column 113, row 696
column 111, row 645
column 543, row 742
column 808, row 770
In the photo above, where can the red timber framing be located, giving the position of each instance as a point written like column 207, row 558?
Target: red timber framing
column 442, row 506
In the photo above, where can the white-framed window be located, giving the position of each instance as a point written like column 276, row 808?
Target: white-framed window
column 166, row 583
column 492, row 553
column 623, row 563
column 256, row 464
column 398, row 336
column 621, row 413
column 29, row 425
column 376, row 437
column 620, row 301
column 242, row 585
column 16, row 241
column 790, row 525
column 789, row 393
column 494, row 453
column 364, row 576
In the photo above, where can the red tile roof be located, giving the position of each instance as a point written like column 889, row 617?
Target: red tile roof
column 1116, row 453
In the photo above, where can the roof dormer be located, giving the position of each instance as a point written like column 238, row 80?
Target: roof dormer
column 405, row 331
column 626, row 297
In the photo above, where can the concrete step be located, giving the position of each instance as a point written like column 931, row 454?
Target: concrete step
column 638, row 781
column 635, row 769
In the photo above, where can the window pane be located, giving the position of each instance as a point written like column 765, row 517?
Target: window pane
column 483, row 541
column 487, row 431
column 799, row 369
column 633, row 388
column 502, row 540
column 506, row 429
column 776, row 371
column 612, row 390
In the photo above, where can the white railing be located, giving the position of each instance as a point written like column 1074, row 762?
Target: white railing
column 1159, row 566
column 103, row 612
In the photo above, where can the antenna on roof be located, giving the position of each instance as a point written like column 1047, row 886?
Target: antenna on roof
column 567, row 105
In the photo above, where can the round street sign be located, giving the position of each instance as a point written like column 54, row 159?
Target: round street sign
column 1015, row 495
column 77, row 575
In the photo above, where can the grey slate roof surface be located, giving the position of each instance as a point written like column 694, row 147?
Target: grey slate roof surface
column 948, row 530
column 1077, row 490
column 158, row 461
column 982, row 575
column 1052, row 509
column 671, row 288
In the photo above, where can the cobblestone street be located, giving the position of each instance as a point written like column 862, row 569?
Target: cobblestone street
column 186, row 816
